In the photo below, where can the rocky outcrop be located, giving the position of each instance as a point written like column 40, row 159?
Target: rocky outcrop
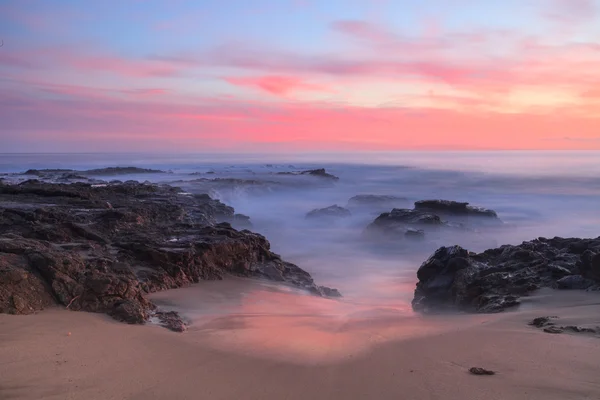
column 496, row 279
column 101, row 249
column 320, row 173
column 454, row 208
column 330, row 212
column 402, row 223
column 77, row 174
column 428, row 216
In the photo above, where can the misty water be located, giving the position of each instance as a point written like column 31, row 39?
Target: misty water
column 534, row 193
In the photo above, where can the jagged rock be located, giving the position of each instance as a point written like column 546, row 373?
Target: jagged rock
column 130, row 312
column 481, row 371
column 540, row 322
column 89, row 257
column 171, row 320
column 553, row 329
column 403, row 224
column 495, row 279
column 334, row 211
column 574, row 282
column 454, row 208
column 320, row 172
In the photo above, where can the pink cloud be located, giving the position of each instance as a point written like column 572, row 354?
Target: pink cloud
column 232, row 125
column 276, row 85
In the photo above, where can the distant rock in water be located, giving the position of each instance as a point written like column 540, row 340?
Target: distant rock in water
column 495, row 279
column 429, row 216
column 321, row 173
column 121, row 171
column 334, row 211
column 43, row 172
column 454, row 208
column 376, row 201
column 102, row 248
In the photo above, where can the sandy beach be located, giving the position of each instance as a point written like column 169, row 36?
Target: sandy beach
column 379, row 357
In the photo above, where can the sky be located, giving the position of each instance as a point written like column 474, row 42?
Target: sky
column 298, row 75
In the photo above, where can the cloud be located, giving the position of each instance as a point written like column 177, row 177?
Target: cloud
column 91, row 61
column 570, row 12
column 210, row 123
column 276, row 85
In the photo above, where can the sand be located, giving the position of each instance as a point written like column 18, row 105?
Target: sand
column 104, row 359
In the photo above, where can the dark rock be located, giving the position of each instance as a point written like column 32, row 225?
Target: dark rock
column 553, row 329
column 403, row 223
column 481, row 371
column 321, row 173
column 495, row 279
column 89, row 257
column 542, row 321
column 171, row 320
column 578, row 329
column 574, row 282
column 334, row 211
column 130, row 312
column 120, row 171
column 454, row 208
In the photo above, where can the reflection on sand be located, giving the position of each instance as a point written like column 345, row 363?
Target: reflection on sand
column 262, row 319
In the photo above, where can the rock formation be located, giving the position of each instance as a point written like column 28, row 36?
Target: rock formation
column 496, row 279
column 101, row 249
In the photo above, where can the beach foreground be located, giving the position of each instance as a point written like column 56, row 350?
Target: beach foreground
column 58, row 354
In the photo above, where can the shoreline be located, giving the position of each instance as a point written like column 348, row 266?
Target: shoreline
column 104, row 359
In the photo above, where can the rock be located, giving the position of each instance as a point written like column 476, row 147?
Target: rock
column 407, row 217
column 542, row 321
column 130, row 312
column 495, row 279
column 481, row 371
column 321, row 173
column 553, row 329
column 87, row 257
column 578, row 329
column 171, row 320
column 334, row 211
column 454, row 208
column 574, row 282
column 590, row 263
column 120, row 171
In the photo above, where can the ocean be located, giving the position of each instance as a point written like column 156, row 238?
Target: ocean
column 535, row 193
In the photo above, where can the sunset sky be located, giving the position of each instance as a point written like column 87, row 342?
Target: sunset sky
column 299, row 75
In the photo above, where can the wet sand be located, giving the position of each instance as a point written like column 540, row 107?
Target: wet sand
column 281, row 345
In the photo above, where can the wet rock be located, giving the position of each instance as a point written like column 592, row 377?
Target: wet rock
column 171, row 320
column 78, row 253
column 334, row 211
column 574, row 282
column 553, row 329
column 121, row 171
column 481, row 371
column 320, row 173
column 130, row 312
column 454, row 208
column 496, row 279
column 540, row 322
column 578, row 329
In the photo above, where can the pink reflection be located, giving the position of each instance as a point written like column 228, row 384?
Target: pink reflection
column 264, row 320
